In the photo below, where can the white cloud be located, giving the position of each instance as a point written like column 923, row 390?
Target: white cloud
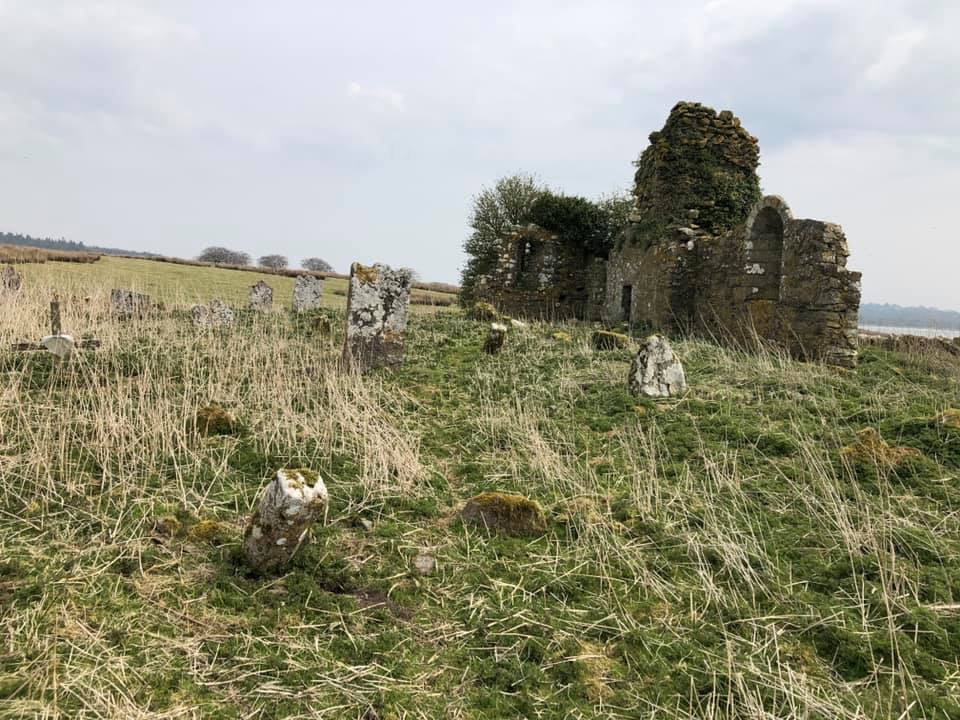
column 894, row 57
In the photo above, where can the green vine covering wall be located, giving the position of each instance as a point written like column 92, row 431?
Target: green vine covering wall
column 700, row 168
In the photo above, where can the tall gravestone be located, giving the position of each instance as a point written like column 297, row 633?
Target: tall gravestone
column 261, row 297
column 10, row 281
column 377, row 303
column 307, row 293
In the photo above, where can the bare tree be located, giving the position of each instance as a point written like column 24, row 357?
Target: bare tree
column 223, row 256
column 316, row 265
column 274, row 262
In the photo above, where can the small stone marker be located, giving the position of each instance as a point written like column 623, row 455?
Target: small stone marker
column 495, row 339
column 291, row 503
column 10, row 281
column 307, row 293
column 656, row 371
column 261, row 297
column 126, row 304
column 377, row 302
column 216, row 314
column 57, row 342
column 425, row 563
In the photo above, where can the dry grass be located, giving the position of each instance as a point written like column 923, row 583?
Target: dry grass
column 707, row 557
column 16, row 254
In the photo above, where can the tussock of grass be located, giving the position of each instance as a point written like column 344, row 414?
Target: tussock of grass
column 710, row 556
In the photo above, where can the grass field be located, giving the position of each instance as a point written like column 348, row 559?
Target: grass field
column 718, row 555
column 175, row 284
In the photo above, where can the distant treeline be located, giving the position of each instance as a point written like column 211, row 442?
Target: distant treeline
column 912, row 317
column 64, row 245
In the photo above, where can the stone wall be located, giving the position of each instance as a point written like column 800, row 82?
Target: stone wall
column 774, row 279
column 693, row 261
column 538, row 275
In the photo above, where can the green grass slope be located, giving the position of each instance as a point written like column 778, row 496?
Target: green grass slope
column 717, row 555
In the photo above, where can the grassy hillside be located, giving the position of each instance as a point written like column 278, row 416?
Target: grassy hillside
column 713, row 556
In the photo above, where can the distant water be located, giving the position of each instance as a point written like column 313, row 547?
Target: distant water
column 926, row 332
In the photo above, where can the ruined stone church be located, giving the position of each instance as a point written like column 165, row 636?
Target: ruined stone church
column 703, row 253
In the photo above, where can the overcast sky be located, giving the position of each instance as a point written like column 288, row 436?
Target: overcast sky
column 360, row 130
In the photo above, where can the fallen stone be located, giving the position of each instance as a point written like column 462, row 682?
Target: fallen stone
column 261, row 297
column 606, row 340
column 10, row 280
column 495, row 339
column 365, row 524
column 656, row 371
column 377, row 303
column 561, row 336
column 307, row 293
column 503, row 512
column 517, row 324
column 291, row 503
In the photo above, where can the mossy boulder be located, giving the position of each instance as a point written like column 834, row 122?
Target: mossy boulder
column 504, row 512
column 607, row 340
column 215, row 420
column 870, row 448
column 484, row 312
column 208, row 531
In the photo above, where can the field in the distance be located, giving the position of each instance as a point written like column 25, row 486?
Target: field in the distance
column 716, row 555
column 175, row 284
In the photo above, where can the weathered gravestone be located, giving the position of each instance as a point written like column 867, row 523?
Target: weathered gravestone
column 377, row 304
column 126, row 304
column 495, row 338
column 307, row 293
column 10, row 281
column 261, row 297
column 656, row 371
column 280, row 526
column 216, row 314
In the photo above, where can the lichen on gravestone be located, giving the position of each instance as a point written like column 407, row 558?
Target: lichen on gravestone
column 126, row 304
column 280, row 526
column 261, row 297
column 378, row 300
column 307, row 293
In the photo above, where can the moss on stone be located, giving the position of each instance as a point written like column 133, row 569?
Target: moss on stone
column 607, row 340
column 206, row 531
column 309, row 476
column 366, row 274
column 215, row 420
column 504, row 512
column 871, row 448
column 484, row 312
